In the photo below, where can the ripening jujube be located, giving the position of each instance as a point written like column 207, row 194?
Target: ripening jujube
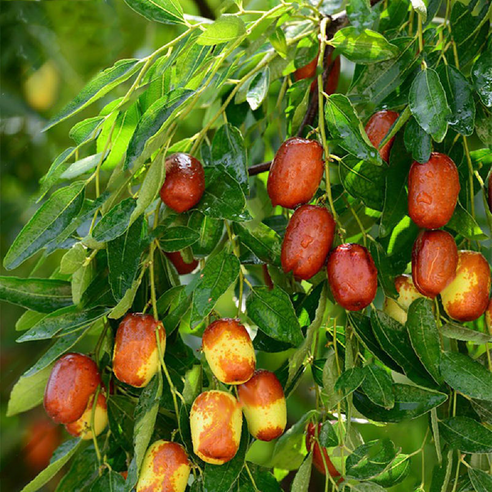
column 136, row 355
column 73, row 379
column 488, row 316
column 82, row 427
column 433, row 189
column 308, row 240
column 378, row 127
column 215, row 422
column 319, row 452
column 229, row 351
column 42, row 438
column 184, row 183
column 352, row 276
column 264, row 407
column 466, row 298
column 434, row 262
column 296, row 172
column 182, row 267
column 165, row 468
column 309, row 71
column 407, row 293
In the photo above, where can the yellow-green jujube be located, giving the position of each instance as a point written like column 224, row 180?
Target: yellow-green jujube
column 407, row 293
column 82, row 427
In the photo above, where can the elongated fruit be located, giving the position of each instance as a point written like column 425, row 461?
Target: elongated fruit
column 82, row 427
column 264, row 407
column 307, row 241
column 433, row 189
column 466, row 298
column 319, row 452
column 136, row 356
column 309, row 71
column 42, row 438
column 229, row 351
column 488, row 316
column 184, row 184
column 296, row 172
column 378, row 127
column 434, row 262
column 165, row 468
column 352, row 276
column 407, row 293
column 181, row 266
column 73, row 379
column 215, row 421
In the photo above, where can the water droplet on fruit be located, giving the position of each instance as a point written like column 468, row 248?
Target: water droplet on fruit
column 424, row 198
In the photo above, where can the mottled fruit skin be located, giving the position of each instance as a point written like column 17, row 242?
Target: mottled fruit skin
column 307, row 242
column 135, row 355
column 42, row 438
column 466, row 298
column 166, row 468
column 433, row 189
column 181, row 266
column 434, row 262
column 353, row 277
column 215, row 421
column 82, row 427
column 296, row 172
column 229, row 351
column 319, row 452
column 73, row 379
column 378, row 127
column 264, row 407
column 184, row 184
column 407, row 293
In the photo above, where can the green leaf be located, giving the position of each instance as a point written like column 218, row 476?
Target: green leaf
column 417, row 141
column 163, row 11
column 482, row 481
column 47, row 223
column 98, row 87
column 279, row 42
column 350, row 380
column 226, row 28
column 463, row 223
column 441, row 474
column 258, row 89
column 429, row 105
column 361, row 15
column 328, row 436
column 363, row 47
column 482, row 76
column 466, row 376
column 459, row 332
column 331, row 373
column 60, row 458
column 377, row 386
column 395, row 473
column 86, row 130
column 28, row 392
column 272, row 311
column 262, row 241
column 466, row 434
column 370, row 459
column 483, row 125
column 109, row 481
column 367, row 487
column 115, row 222
column 209, row 230
column 175, row 302
column 38, row 294
column 28, row 319
column 344, row 124
column 73, row 259
column 303, row 475
column 81, row 166
column 317, row 370
column 177, row 238
column 424, row 335
column 82, row 473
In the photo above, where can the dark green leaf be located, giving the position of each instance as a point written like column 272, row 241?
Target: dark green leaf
column 109, row 481
column 82, row 472
column 303, row 475
column 385, row 268
column 377, row 386
column 417, row 141
column 328, row 436
column 225, row 28
column 86, row 130
column 459, row 332
column 163, row 11
column 264, row 242
column 121, row 420
column 463, row 223
column 177, row 238
column 360, row 14
column 350, row 380
column 441, row 474
column 483, row 125
column 317, row 370
column 466, row 434
column 209, row 231
column 395, row 473
column 115, row 222
column 482, row 481
column 175, row 302
column 482, row 76
column 370, row 459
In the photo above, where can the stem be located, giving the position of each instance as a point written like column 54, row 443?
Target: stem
column 419, row 30
column 93, row 416
column 470, row 175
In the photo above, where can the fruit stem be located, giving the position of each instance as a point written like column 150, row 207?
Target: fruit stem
column 93, row 417
column 419, row 30
column 470, row 175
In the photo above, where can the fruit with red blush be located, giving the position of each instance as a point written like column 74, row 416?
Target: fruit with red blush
column 182, row 267
column 319, row 452
column 83, row 427
column 378, row 127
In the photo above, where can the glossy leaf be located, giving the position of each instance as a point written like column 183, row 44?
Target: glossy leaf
column 466, row 434
column 463, row 223
column 417, row 141
column 115, row 222
column 163, row 11
column 360, row 14
column 258, row 89
column 86, row 130
column 482, row 481
column 370, row 459
column 109, row 481
column 224, row 29
column 395, row 473
column 350, row 380
column 264, row 242
column 177, row 238
column 328, row 436
column 377, row 385
column 459, row 332
column 482, row 76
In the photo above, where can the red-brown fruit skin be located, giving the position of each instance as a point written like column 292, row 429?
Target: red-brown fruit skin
column 332, row 82
column 184, row 184
column 41, row 441
column 296, row 172
column 434, row 262
column 352, row 276
column 181, row 266
column 318, row 452
column 73, row 379
column 433, row 189
column 309, row 71
column 378, row 127
column 307, row 242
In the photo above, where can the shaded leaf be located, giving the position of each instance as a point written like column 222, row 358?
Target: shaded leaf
column 466, row 434
column 377, row 385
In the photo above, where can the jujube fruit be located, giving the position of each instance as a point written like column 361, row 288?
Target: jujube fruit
column 136, row 355
column 184, row 184
column 182, row 267
column 229, row 351
column 407, row 293
column 82, row 427
column 264, row 407
column 466, row 298
column 296, row 172
column 378, row 127
column 165, row 468
column 434, row 262
column 308, row 240
column 309, row 71
column 319, row 452
column 488, row 316
column 73, row 379
column 352, row 276
column 433, row 189
column 215, row 421
column 331, row 83
column 42, row 438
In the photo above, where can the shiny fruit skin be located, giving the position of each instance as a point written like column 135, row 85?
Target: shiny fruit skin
column 352, row 276
column 229, row 351
column 181, row 266
column 264, row 407
column 295, row 173
column 43, row 437
column 82, row 427
column 165, row 468
column 215, row 421
column 318, row 452
column 466, row 298
column 378, row 127
column 135, row 355
column 184, row 184
column 307, row 71
column 307, row 242
column 433, row 189
column 331, row 83
column 434, row 262
column 73, row 379
column 407, row 293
